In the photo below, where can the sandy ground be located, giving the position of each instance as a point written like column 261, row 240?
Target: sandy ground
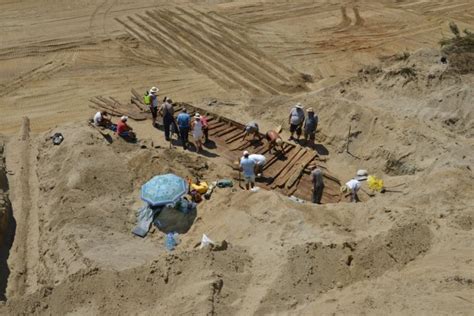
column 373, row 66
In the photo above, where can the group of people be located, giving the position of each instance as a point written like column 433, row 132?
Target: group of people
column 182, row 125
column 251, row 165
column 300, row 123
column 121, row 128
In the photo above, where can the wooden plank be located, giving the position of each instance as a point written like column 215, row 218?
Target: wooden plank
column 285, row 171
column 138, row 96
column 219, row 129
column 225, row 132
column 297, row 173
column 234, row 137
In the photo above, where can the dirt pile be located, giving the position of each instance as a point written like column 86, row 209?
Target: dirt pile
column 315, row 267
column 199, row 281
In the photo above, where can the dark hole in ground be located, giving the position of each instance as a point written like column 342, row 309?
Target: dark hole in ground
column 7, row 230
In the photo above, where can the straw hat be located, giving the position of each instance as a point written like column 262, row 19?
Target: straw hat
column 197, row 115
column 298, row 105
column 154, row 90
column 362, row 175
column 124, row 118
column 310, row 110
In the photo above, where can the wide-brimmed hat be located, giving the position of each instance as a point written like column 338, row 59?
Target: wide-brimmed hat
column 124, row 118
column 298, row 105
column 362, row 175
column 310, row 110
column 197, row 115
column 344, row 189
column 154, row 90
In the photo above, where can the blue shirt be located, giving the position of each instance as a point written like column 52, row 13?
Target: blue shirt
column 183, row 120
column 248, row 166
column 311, row 123
column 154, row 101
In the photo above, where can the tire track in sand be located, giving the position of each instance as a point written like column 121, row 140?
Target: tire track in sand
column 213, row 47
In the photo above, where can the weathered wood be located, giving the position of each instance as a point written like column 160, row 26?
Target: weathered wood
column 226, row 132
column 137, row 95
column 299, row 171
column 214, row 131
column 285, row 171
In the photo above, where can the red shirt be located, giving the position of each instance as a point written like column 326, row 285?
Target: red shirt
column 121, row 127
column 204, row 121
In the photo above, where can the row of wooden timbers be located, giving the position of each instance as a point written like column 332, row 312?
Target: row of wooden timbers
column 287, row 172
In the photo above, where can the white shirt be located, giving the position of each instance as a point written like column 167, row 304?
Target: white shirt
column 259, row 159
column 97, row 118
column 353, row 185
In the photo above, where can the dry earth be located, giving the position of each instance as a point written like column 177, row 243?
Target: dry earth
column 373, row 66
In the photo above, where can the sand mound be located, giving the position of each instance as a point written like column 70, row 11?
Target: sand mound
column 396, row 85
column 317, row 268
column 200, row 281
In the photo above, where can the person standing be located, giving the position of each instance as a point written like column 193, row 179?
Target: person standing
column 296, row 120
column 197, row 131
column 247, row 166
column 205, row 128
column 167, row 111
column 184, row 125
column 310, row 126
column 318, row 185
column 152, row 99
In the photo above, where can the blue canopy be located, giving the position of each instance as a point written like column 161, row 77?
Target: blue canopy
column 164, row 189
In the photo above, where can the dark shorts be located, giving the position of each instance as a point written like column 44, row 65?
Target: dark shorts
column 295, row 128
column 154, row 112
column 310, row 135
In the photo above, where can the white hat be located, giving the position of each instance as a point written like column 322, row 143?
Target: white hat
column 124, row 118
column 298, row 105
column 310, row 110
column 197, row 115
column 278, row 141
column 154, row 90
column 246, row 153
column 361, row 175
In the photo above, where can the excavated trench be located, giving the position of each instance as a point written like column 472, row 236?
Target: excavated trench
column 287, row 172
column 7, row 226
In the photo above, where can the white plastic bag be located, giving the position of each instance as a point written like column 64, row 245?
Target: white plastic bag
column 205, row 241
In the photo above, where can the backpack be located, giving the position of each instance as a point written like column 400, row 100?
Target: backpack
column 146, row 99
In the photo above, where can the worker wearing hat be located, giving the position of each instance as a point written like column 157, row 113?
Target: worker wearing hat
column 247, row 166
column 310, row 126
column 153, row 103
column 124, row 130
column 296, row 120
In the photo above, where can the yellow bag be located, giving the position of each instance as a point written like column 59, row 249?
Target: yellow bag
column 201, row 187
column 375, row 183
